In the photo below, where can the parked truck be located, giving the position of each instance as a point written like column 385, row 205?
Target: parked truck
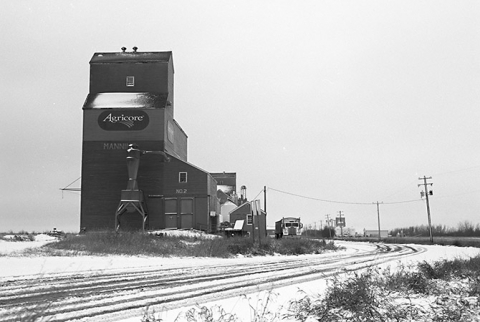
column 288, row 226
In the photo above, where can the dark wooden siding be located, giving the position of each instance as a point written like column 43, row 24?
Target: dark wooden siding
column 196, row 179
column 176, row 145
column 180, row 142
column 111, row 77
column 201, row 217
column 260, row 222
column 155, row 206
column 104, row 175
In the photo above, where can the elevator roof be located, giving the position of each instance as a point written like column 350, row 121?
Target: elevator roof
column 131, row 57
column 125, row 100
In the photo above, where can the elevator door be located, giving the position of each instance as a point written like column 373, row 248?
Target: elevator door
column 155, row 210
column 171, row 216
column 186, row 213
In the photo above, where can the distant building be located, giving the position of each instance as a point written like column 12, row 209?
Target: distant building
column 226, row 182
column 227, row 204
column 347, row 231
column 226, row 194
column 374, row 233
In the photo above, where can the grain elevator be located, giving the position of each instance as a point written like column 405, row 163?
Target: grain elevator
column 131, row 103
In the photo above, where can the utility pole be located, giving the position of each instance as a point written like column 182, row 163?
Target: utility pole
column 378, row 216
column 425, row 183
column 265, row 208
column 340, row 223
column 265, row 200
column 253, row 211
column 328, row 227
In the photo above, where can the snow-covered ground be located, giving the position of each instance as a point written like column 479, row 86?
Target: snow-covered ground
column 14, row 263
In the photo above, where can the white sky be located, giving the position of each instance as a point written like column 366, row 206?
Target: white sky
column 347, row 101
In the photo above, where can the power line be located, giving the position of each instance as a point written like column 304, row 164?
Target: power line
column 404, row 201
column 318, row 199
column 258, row 194
column 459, row 170
column 341, row 202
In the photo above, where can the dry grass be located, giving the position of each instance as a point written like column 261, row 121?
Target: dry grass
column 442, row 291
column 137, row 243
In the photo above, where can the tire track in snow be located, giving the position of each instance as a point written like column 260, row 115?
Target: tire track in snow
column 103, row 296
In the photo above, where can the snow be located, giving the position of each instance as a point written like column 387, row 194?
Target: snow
column 184, row 233
column 15, row 263
column 44, row 237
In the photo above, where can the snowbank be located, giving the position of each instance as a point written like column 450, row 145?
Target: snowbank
column 44, row 237
column 184, row 233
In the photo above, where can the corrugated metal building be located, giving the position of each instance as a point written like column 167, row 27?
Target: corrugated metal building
column 131, row 101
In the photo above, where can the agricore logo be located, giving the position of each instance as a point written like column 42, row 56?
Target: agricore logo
column 123, row 119
column 131, row 120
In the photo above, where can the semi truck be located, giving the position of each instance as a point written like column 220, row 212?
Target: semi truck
column 289, row 227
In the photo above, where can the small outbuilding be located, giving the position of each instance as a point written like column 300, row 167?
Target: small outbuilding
column 253, row 217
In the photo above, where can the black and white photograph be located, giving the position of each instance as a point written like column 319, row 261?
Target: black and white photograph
column 240, row 161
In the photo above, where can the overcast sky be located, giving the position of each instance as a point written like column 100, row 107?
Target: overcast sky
column 349, row 102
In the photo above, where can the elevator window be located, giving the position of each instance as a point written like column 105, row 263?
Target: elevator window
column 182, row 177
column 130, row 81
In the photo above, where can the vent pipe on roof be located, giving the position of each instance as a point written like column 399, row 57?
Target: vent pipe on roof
column 244, row 192
column 135, row 49
column 123, row 49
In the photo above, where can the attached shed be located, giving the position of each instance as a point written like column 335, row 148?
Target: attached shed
column 237, row 229
column 255, row 221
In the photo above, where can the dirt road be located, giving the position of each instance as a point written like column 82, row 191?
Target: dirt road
column 111, row 296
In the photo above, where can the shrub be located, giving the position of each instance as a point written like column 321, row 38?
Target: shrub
column 448, row 269
column 358, row 297
column 213, row 314
column 296, row 246
column 127, row 243
column 239, row 245
column 405, row 280
column 474, row 287
column 376, row 295
column 289, row 246
column 211, row 248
